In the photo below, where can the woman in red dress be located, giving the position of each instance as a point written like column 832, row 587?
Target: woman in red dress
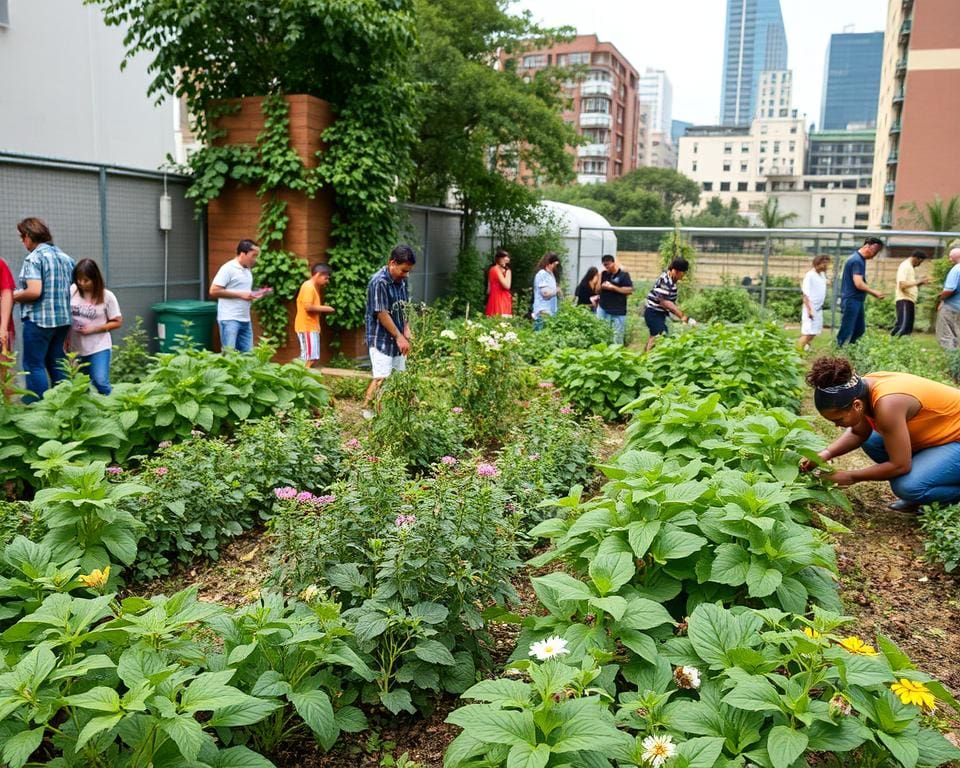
column 499, row 300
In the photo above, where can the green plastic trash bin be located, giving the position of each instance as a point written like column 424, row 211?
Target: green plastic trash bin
column 185, row 317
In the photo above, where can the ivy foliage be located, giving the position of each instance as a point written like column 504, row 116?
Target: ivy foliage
column 354, row 54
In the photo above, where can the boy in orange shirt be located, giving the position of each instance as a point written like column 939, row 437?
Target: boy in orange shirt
column 309, row 309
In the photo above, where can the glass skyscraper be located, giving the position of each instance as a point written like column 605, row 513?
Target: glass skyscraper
column 851, row 82
column 754, row 41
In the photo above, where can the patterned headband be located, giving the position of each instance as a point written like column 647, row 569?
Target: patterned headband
column 840, row 396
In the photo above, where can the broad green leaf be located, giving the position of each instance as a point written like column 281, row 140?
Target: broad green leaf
column 846, row 734
column 317, row 712
column 433, row 652
column 731, row 563
column 247, row 712
column 524, row 755
column 935, row 749
column 430, row 613
column 398, row 699
column 18, row 748
column 350, row 719
column 642, row 613
column 641, row 535
column 186, row 733
column 701, row 751
column 100, row 698
column 609, row 572
column 902, row 746
column 209, row 691
column 762, row 580
column 499, row 690
column 495, row 726
column 755, row 694
column 240, row 757
column 785, row 745
column 614, row 605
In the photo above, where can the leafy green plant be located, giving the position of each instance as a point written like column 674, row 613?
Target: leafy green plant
column 879, row 351
column 784, row 299
column 941, row 527
column 413, row 562
column 15, row 519
column 725, row 303
column 600, row 380
column 131, row 358
column 572, row 327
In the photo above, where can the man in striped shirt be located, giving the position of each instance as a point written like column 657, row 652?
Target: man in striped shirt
column 662, row 300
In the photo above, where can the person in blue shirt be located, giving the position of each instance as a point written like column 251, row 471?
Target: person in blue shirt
column 546, row 291
column 948, row 306
column 854, row 290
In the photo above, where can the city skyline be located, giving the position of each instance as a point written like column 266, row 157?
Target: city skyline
column 692, row 53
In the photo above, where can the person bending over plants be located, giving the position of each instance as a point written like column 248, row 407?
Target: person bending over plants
column 909, row 425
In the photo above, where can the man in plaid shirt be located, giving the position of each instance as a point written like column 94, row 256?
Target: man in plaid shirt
column 387, row 329
column 44, row 298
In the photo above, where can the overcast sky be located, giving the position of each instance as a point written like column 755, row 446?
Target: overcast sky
column 685, row 38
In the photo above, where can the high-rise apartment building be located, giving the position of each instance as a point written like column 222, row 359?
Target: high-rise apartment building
column 754, row 41
column 656, row 91
column 851, row 82
column 842, row 161
column 775, row 96
column 915, row 155
column 677, row 129
column 604, row 104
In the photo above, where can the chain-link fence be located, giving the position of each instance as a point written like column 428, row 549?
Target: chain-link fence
column 769, row 263
column 111, row 215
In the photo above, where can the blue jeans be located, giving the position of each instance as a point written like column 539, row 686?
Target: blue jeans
column 619, row 323
column 237, row 334
column 42, row 357
column 934, row 473
column 97, row 367
column 853, row 321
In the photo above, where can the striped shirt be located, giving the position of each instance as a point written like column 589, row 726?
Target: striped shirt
column 54, row 269
column 385, row 294
column 664, row 288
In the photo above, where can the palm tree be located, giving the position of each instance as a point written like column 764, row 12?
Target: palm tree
column 770, row 216
column 936, row 215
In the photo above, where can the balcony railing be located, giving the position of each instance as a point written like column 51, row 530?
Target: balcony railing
column 596, row 88
column 886, row 220
column 594, row 150
column 901, row 66
column 898, row 96
column 595, row 120
column 591, row 178
column 892, row 158
column 895, row 128
column 889, row 187
column 905, row 28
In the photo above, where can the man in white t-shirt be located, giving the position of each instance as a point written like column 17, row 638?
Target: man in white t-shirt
column 232, row 287
column 907, row 293
column 814, row 290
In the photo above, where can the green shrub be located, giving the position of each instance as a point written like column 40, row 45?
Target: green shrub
column 725, row 303
column 16, row 520
column 572, row 327
column 131, row 358
column 599, row 380
column 882, row 313
column 879, row 351
column 416, row 421
column 941, row 525
column 784, row 298
column 413, row 562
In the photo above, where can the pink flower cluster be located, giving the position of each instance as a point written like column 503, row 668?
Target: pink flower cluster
column 352, row 444
column 304, row 497
column 160, row 471
column 545, row 385
column 534, row 456
column 448, row 460
column 114, row 470
column 403, row 521
column 456, row 409
column 164, row 443
column 285, row 493
column 487, row 470
column 566, row 410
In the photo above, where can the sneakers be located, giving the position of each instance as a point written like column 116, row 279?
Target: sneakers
column 902, row 505
column 367, row 414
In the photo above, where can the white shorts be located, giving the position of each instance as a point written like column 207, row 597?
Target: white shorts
column 382, row 365
column 811, row 327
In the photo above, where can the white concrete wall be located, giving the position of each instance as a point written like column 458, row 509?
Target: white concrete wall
column 62, row 93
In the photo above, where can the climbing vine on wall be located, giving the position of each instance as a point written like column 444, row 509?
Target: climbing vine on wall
column 355, row 55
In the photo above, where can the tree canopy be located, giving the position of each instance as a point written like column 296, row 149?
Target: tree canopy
column 646, row 197
column 716, row 214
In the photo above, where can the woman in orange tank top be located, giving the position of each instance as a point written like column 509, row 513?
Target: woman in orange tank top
column 909, row 425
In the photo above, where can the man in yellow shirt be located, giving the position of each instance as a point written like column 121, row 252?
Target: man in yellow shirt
column 906, row 293
column 309, row 308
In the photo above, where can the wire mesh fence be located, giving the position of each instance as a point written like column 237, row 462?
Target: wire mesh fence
column 111, row 215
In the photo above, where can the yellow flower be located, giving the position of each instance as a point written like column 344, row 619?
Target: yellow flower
column 96, row 579
column 912, row 692
column 812, row 633
column 856, row 645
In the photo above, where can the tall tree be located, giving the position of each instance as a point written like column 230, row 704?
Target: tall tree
column 716, row 214
column 646, row 197
column 936, row 215
column 480, row 124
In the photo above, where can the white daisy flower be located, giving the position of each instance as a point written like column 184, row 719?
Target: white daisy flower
column 687, row 677
column 549, row 648
column 446, row 333
column 658, row 749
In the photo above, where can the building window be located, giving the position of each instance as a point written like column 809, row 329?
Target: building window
column 843, row 219
column 577, row 58
column 763, row 128
column 726, row 165
column 693, row 166
column 724, row 186
column 776, row 147
column 793, row 129
column 601, row 58
column 823, row 202
column 863, row 199
column 742, row 186
column 694, row 147
column 708, row 186
column 793, row 146
column 761, row 186
column 743, row 167
column 727, row 148
column 745, row 147
column 821, row 219
column 763, row 147
column 595, row 104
